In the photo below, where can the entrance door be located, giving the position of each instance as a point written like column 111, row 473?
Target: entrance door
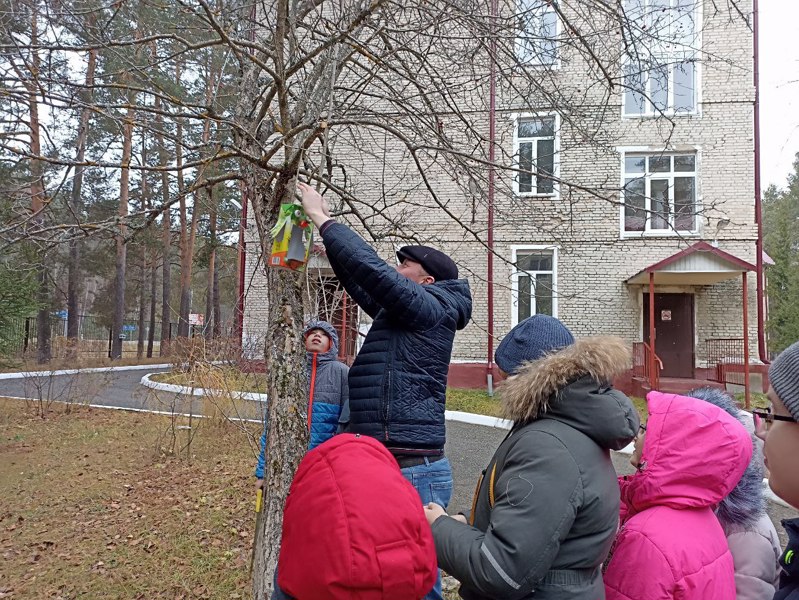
column 674, row 332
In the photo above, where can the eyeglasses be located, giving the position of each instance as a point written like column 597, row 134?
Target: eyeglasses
column 769, row 417
column 641, row 428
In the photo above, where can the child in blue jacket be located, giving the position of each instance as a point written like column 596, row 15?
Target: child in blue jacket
column 328, row 391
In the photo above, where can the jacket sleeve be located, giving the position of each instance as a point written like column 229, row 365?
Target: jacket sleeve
column 538, row 493
column 638, row 570
column 374, row 284
column 756, row 565
column 259, row 468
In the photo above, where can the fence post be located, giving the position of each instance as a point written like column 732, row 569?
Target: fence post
column 110, row 340
column 27, row 335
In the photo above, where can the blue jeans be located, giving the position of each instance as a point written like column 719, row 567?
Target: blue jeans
column 433, row 481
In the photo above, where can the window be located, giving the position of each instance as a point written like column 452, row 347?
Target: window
column 534, row 284
column 535, row 156
column 538, row 30
column 660, row 193
column 660, row 69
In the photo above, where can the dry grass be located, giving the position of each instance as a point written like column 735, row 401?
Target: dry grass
column 92, row 507
column 217, row 377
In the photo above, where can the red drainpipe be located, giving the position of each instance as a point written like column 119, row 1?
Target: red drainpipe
column 492, row 105
column 242, row 260
column 761, row 320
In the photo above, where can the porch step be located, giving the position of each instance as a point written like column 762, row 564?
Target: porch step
column 673, row 385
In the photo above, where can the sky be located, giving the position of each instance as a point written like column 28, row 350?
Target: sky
column 779, row 89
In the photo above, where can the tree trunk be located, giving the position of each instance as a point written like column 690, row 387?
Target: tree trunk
column 76, row 206
column 287, row 433
column 142, row 304
column 153, row 294
column 211, row 325
column 43, row 336
column 121, row 242
column 187, row 232
column 166, row 232
column 217, row 308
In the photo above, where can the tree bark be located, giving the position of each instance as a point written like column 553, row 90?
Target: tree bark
column 76, row 206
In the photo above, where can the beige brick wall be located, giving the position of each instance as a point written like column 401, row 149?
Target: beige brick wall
column 594, row 259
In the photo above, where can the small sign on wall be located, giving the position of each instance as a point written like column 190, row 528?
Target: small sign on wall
column 665, row 315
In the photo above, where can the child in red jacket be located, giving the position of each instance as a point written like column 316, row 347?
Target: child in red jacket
column 354, row 527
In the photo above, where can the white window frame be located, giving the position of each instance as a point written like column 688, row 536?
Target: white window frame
column 698, row 203
column 522, row 249
column 555, row 193
column 670, row 59
column 521, row 53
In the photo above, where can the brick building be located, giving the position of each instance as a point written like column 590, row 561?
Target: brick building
column 650, row 182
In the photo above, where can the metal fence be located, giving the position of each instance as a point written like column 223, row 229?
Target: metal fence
column 726, row 357
column 95, row 336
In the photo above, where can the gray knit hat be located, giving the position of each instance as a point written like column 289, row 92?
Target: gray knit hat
column 783, row 374
column 530, row 340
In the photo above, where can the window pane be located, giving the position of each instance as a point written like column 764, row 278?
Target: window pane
column 659, row 87
column 634, row 205
column 634, row 164
column 530, row 128
column 659, row 164
column 525, row 178
column 684, row 26
column 548, row 33
column 660, row 203
column 684, row 88
column 633, row 95
column 684, row 163
column 525, row 300
column 684, row 206
column 546, row 166
column 536, row 261
column 543, row 294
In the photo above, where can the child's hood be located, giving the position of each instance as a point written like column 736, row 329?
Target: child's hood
column 332, row 352
column 694, row 454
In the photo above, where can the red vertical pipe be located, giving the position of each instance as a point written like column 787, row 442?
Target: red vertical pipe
column 746, row 339
column 652, row 365
column 492, row 107
column 761, row 318
column 342, row 347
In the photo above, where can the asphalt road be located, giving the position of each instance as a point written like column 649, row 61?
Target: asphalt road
column 469, row 447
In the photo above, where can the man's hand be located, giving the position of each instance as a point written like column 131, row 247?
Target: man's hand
column 433, row 511
column 460, row 519
column 314, row 205
column 259, row 484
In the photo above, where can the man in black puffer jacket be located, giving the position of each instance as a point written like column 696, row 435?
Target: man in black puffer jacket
column 398, row 381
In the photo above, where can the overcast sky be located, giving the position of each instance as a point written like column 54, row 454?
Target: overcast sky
column 779, row 89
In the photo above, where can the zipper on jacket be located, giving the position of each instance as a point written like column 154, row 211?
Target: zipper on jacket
column 385, row 404
column 311, row 391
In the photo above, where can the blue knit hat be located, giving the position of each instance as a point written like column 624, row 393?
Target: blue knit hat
column 530, row 340
column 783, row 374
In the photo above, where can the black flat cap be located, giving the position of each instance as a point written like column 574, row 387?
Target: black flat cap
column 435, row 262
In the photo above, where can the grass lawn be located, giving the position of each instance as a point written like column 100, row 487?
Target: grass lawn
column 218, row 377
column 92, row 507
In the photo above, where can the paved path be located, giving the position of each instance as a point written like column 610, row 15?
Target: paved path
column 469, row 447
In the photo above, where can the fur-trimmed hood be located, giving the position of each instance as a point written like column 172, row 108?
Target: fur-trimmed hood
column 573, row 385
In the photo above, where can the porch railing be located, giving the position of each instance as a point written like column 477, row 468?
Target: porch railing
column 725, row 356
column 643, row 359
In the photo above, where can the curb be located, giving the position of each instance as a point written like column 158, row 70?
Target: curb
column 136, row 410
column 195, row 391
column 23, row 374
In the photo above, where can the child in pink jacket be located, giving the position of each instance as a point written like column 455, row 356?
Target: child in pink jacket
column 689, row 456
